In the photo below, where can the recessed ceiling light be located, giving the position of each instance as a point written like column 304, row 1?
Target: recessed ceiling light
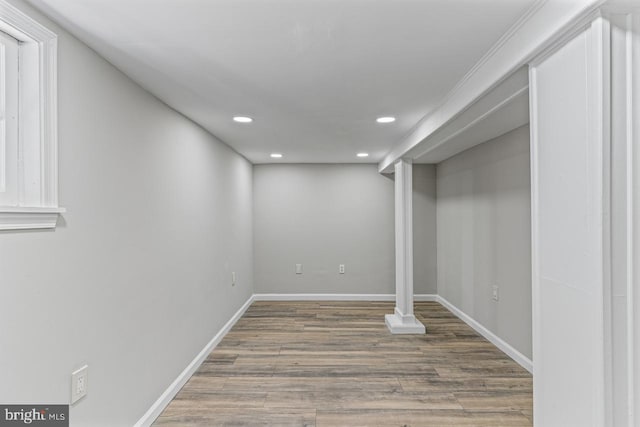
column 242, row 119
column 387, row 119
column 276, row 155
column 363, row 154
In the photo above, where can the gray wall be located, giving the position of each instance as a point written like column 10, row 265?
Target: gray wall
column 136, row 279
column 325, row 215
column 484, row 235
column 424, row 230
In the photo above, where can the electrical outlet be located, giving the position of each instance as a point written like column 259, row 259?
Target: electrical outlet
column 341, row 268
column 495, row 293
column 79, row 383
column 233, row 278
column 298, row 268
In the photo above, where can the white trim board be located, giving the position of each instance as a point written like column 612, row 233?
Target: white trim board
column 159, row 405
column 541, row 25
column 425, row 297
column 518, row 357
column 338, row 297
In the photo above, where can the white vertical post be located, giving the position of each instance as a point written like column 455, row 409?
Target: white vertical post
column 633, row 215
column 403, row 321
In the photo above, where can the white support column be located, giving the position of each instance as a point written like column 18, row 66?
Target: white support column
column 403, row 321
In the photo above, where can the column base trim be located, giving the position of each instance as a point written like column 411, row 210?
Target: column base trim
column 404, row 324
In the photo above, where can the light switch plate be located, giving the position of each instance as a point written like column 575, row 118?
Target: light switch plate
column 495, row 293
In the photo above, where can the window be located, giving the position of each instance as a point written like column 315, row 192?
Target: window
column 28, row 123
column 9, row 159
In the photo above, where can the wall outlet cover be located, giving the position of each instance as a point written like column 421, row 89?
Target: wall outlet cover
column 79, row 383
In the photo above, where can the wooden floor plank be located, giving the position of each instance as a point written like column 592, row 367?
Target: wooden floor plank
column 334, row 363
column 404, row 418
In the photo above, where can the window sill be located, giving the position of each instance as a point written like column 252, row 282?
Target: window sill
column 22, row 218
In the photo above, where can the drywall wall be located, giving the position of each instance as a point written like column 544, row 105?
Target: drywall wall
column 325, row 215
column 483, row 234
column 424, row 230
column 137, row 277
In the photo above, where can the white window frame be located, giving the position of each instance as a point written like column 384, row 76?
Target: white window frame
column 9, row 104
column 37, row 205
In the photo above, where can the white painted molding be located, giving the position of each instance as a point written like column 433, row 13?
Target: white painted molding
column 18, row 24
column 577, row 27
column 159, row 405
column 323, row 297
column 38, row 126
column 541, row 25
column 425, row 297
column 499, row 112
column 600, row 132
column 399, row 323
column 494, row 50
column 29, row 218
column 518, row 357
column 630, row 103
column 633, row 248
column 534, row 144
column 337, row 297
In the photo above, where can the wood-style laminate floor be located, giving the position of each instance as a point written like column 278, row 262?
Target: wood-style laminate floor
column 336, row 364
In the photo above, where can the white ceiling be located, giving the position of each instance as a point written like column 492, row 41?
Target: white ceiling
column 313, row 74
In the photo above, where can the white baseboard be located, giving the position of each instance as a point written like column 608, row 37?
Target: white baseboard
column 159, row 405
column 425, row 297
column 324, row 297
column 518, row 357
column 337, row 297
